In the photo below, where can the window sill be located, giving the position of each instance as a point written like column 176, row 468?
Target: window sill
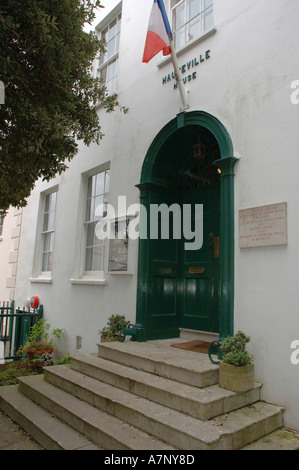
column 41, row 280
column 191, row 44
column 121, row 273
column 90, row 282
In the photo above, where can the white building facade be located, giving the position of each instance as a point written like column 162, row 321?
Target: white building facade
column 232, row 152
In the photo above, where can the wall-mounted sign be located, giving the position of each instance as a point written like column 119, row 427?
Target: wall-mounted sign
column 188, row 69
column 263, row 226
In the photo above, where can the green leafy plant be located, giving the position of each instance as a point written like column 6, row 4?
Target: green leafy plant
column 234, row 350
column 10, row 372
column 111, row 331
column 64, row 360
column 39, row 338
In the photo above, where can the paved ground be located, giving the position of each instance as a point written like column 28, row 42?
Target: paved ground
column 12, row 437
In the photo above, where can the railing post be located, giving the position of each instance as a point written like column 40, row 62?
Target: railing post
column 17, row 335
column 40, row 312
column 11, row 324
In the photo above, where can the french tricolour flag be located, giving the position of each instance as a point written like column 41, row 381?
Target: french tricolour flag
column 157, row 38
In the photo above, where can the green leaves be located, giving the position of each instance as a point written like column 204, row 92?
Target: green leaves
column 234, row 351
column 113, row 323
column 50, row 95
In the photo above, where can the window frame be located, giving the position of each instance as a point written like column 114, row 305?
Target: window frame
column 38, row 274
column 174, row 5
column 105, row 63
column 48, row 232
column 90, row 201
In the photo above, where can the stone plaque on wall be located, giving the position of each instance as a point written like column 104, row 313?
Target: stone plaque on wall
column 263, row 226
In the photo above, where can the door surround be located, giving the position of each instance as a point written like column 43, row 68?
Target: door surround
column 226, row 164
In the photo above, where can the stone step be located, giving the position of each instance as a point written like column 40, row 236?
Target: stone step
column 108, row 431
column 282, row 439
column 203, row 403
column 229, row 431
column 46, row 429
column 157, row 357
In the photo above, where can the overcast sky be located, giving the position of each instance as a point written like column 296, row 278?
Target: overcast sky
column 102, row 12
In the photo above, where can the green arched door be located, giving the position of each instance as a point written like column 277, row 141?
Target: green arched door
column 179, row 286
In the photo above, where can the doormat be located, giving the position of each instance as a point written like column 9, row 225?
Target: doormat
column 196, row 346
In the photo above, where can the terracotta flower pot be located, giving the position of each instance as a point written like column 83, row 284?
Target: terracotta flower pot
column 39, row 352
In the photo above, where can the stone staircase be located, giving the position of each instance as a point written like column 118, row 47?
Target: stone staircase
column 138, row 396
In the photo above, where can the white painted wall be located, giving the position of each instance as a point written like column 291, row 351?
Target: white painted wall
column 246, row 85
column 5, row 248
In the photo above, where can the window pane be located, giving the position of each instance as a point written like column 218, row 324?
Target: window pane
column 50, row 261
column 107, row 180
column 47, row 203
column 207, row 3
column 111, row 71
column 52, row 204
column 49, row 235
column 110, row 48
column 90, row 235
column 193, row 29
column 49, row 221
column 47, row 242
column 99, row 207
column 118, row 23
column 179, row 16
column 88, row 259
column 105, row 34
column 208, row 19
column 111, row 87
column 100, row 183
column 45, row 262
column 103, row 75
column 45, row 224
column 112, row 29
column 98, row 258
column 193, row 8
column 180, row 38
column 89, row 209
column 91, row 186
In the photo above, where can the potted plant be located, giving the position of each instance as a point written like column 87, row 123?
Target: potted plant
column 40, row 342
column 112, row 332
column 236, row 371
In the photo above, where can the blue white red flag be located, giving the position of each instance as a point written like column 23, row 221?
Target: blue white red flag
column 157, row 38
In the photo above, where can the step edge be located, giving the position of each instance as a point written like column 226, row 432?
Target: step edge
column 157, row 367
column 29, row 384
column 225, row 401
column 210, row 442
column 31, row 417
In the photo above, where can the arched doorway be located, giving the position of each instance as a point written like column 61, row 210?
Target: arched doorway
column 189, row 165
